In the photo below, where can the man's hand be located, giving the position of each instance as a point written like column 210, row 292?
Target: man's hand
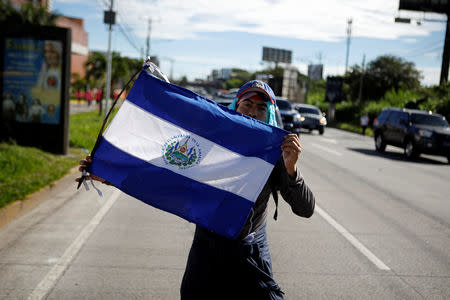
column 291, row 148
column 83, row 165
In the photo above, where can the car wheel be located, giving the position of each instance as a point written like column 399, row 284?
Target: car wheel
column 380, row 144
column 410, row 151
column 321, row 130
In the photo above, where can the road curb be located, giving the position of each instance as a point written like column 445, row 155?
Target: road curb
column 18, row 208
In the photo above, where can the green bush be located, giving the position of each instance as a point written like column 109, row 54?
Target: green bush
column 401, row 97
column 317, row 98
column 347, row 112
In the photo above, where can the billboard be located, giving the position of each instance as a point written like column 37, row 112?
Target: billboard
column 31, row 83
column 437, row 6
column 34, row 86
column 277, row 55
column 315, row 72
column 333, row 91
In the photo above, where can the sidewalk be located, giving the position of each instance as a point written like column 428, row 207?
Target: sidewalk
column 82, row 106
column 18, row 208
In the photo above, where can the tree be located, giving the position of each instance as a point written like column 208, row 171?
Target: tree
column 183, row 81
column 27, row 14
column 383, row 74
column 78, row 83
column 96, row 68
column 238, row 78
column 122, row 69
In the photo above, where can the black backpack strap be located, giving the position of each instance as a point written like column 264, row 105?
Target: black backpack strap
column 275, row 198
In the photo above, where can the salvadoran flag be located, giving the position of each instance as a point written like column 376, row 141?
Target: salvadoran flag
column 187, row 155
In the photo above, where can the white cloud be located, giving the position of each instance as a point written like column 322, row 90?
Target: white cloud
column 409, row 40
column 324, row 20
column 433, row 54
column 431, row 75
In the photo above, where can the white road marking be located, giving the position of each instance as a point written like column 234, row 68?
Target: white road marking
column 49, row 281
column 326, row 149
column 354, row 241
column 332, row 141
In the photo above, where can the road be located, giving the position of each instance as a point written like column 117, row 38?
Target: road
column 381, row 230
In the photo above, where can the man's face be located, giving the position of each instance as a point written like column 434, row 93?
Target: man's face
column 253, row 107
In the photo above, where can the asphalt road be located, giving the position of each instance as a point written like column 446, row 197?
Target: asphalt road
column 381, row 230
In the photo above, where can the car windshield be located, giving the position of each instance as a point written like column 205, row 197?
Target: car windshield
column 422, row 119
column 307, row 110
column 283, row 104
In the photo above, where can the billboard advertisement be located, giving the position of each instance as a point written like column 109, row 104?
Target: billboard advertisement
column 437, row 6
column 34, row 86
column 333, row 91
column 315, row 72
column 32, row 80
column 277, row 55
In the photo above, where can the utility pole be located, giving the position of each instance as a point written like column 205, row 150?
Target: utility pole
column 361, row 79
column 171, row 69
column 349, row 34
column 149, row 30
column 109, row 18
column 445, row 55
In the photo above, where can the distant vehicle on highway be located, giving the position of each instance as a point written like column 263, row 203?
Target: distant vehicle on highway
column 290, row 117
column 416, row 131
column 225, row 101
column 311, row 116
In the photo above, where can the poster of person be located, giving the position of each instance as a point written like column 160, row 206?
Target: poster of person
column 32, row 80
column 8, row 107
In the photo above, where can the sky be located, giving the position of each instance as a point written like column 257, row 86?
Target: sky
column 191, row 38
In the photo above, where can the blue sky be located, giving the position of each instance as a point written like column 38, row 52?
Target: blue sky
column 193, row 37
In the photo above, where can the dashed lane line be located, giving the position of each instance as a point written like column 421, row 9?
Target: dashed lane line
column 327, row 149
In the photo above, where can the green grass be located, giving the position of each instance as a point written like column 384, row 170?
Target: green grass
column 352, row 128
column 26, row 169
column 84, row 128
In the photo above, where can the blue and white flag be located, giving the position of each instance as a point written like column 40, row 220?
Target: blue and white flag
column 187, row 155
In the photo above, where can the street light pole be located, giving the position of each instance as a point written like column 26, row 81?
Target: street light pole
column 349, row 33
column 109, row 19
column 445, row 55
column 149, row 32
column 361, row 79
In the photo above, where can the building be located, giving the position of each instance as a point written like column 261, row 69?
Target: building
column 80, row 50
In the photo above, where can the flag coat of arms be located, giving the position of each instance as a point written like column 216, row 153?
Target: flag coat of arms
column 187, row 155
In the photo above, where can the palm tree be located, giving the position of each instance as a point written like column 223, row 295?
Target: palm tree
column 96, row 68
column 122, row 67
column 27, row 14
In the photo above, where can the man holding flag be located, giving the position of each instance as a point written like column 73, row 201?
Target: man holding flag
column 223, row 263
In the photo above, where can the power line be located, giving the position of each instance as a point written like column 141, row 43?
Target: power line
column 127, row 29
column 426, row 48
column 124, row 33
column 103, row 5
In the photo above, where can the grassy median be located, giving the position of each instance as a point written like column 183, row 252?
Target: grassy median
column 27, row 169
column 352, row 128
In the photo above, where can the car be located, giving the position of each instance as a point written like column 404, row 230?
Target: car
column 311, row 116
column 416, row 131
column 290, row 117
column 278, row 117
column 223, row 100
